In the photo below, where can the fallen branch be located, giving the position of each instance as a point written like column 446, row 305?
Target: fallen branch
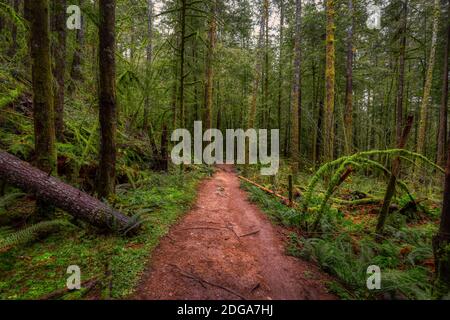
column 200, row 228
column 86, row 285
column 202, row 281
column 285, row 200
column 250, row 233
column 357, row 202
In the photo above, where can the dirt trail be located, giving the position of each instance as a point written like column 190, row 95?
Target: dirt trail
column 226, row 248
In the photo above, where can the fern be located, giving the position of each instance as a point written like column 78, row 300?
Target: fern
column 7, row 199
column 360, row 160
column 10, row 239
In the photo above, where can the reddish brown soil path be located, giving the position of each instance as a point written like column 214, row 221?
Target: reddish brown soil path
column 226, row 248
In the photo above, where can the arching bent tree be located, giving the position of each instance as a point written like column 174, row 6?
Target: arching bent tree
column 107, row 99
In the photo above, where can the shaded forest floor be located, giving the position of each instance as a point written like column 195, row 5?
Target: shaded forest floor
column 37, row 268
column 226, row 248
column 344, row 248
column 345, row 245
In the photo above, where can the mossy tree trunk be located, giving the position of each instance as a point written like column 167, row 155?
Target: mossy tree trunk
column 107, row 99
column 43, row 112
column 442, row 135
column 58, row 22
column 329, row 128
column 421, row 139
column 149, row 57
column 395, row 170
column 348, row 112
column 296, row 92
column 182, row 51
column 401, row 73
column 441, row 242
column 209, row 73
column 257, row 74
column 76, row 72
column 22, row 175
column 265, row 97
column 280, row 64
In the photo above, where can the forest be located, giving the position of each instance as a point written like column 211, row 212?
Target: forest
column 352, row 93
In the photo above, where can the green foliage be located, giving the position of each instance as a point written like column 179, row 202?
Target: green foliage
column 158, row 202
column 356, row 161
column 345, row 249
column 10, row 97
column 27, row 234
column 8, row 199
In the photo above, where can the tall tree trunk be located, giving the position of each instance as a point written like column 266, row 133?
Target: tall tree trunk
column 328, row 137
column 257, row 75
column 266, row 107
column 401, row 73
column 149, row 51
column 280, row 64
column 76, row 73
column 390, row 191
column 182, row 60
column 107, row 99
column 348, row 112
column 209, row 73
column 296, row 91
column 43, row 112
column 442, row 135
column 59, row 66
column 441, row 242
column 251, row 116
column 428, row 82
column 320, row 112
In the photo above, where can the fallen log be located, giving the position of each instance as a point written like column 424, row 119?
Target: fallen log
column 87, row 286
column 22, row 175
column 283, row 198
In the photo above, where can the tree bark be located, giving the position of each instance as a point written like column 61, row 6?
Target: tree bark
column 182, row 75
column 401, row 73
column 348, row 113
column 43, row 113
column 76, row 73
column 44, row 127
column 428, row 83
column 22, row 175
column 59, row 67
column 328, row 137
column 441, row 242
column 442, row 135
column 149, row 50
column 393, row 179
column 280, row 63
column 296, row 92
column 209, row 74
column 265, row 106
column 257, row 78
column 107, row 99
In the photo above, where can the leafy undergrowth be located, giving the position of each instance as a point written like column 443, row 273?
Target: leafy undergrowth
column 345, row 246
column 35, row 253
column 38, row 268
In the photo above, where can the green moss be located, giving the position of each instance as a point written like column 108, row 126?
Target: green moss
column 34, row 270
